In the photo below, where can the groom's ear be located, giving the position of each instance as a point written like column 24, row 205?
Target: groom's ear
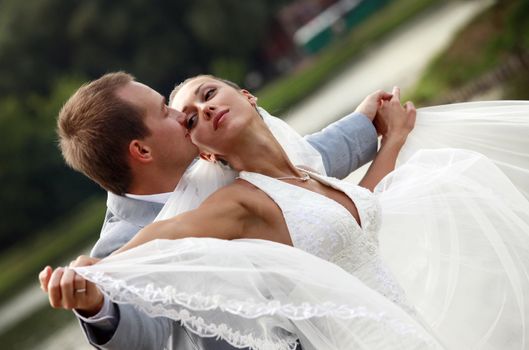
column 139, row 151
column 208, row 156
column 251, row 98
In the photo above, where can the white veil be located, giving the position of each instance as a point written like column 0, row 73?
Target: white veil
column 456, row 222
column 203, row 178
column 455, row 233
column 257, row 294
column 497, row 129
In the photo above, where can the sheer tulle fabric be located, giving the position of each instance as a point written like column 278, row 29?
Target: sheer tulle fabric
column 454, row 232
column 497, row 129
column 257, row 293
column 203, row 178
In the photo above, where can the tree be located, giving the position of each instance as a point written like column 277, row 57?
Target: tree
column 44, row 43
column 37, row 186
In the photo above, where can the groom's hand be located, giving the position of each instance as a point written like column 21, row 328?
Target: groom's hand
column 370, row 105
column 395, row 121
column 68, row 290
column 391, row 111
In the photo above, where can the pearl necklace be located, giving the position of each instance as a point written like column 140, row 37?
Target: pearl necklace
column 304, row 178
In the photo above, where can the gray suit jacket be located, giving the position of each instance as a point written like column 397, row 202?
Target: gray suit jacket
column 344, row 145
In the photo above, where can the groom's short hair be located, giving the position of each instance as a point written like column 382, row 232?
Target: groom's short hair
column 95, row 127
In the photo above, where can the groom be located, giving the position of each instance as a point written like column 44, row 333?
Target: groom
column 122, row 135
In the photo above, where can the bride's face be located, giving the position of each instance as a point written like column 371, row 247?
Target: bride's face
column 215, row 113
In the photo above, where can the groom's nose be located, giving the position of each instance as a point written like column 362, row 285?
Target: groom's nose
column 179, row 116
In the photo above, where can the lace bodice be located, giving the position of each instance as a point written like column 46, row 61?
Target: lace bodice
column 323, row 227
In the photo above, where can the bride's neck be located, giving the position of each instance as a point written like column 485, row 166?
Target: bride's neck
column 259, row 152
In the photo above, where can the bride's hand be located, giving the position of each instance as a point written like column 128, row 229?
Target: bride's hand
column 398, row 122
column 370, row 105
column 399, row 119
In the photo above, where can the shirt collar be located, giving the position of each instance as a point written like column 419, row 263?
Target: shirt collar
column 135, row 211
column 160, row 198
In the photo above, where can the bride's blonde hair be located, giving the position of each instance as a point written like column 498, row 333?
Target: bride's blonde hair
column 180, row 85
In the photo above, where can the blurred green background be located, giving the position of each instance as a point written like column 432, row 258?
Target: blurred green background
column 48, row 48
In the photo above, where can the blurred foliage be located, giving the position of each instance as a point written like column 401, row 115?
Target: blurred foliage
column 229, row 28
column 21, row 265
column 229, row 68
column 37, row 187
column 289, row 90
column 160, row 41
column 29, row 333
column 49, row 47
column 517, row 88
column 497, row 34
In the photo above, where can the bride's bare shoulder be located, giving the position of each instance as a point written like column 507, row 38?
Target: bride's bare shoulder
column 243, row 194
column 239, row 191
column 256, row 214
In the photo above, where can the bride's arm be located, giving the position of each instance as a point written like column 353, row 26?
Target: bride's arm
column 400, row 121
column 222, row 215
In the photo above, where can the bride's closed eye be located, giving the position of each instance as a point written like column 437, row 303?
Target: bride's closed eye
column 191, row 122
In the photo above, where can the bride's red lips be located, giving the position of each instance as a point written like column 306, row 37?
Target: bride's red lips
column 218, row 118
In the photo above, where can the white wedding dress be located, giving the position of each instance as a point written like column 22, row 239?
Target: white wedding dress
column 440, row 259
column 324, row 228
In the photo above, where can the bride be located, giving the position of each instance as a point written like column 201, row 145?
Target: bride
column 450, row 270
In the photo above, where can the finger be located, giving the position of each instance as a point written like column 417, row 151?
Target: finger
column 411, row 111
column 67, row 282
column 412, row 120
column 90, row 302
column 410, row 108
column 44, row 278
column 91, row 289
column 79, row 285
column 396, row 94
column 386, row 97
column 383, row 95
column 78, row 261
column 378, row 128
column 54, row 287
column 84, row 260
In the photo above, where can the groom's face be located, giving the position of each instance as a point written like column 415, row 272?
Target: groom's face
column 167, row 142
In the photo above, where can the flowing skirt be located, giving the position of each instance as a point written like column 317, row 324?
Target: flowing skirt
column 455, row 232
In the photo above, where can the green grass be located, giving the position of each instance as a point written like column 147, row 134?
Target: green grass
column 478, row 48
column 20, row 265
column 516, row 89
column 287, row 91
column 34, row 329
